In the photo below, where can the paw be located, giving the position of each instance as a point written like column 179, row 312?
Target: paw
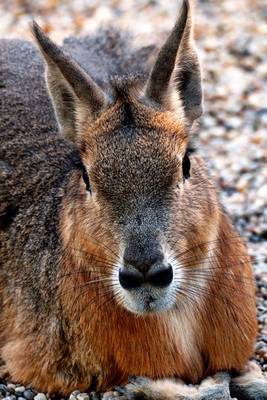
column 250, row 385
column 215, row 388
column 138, row 388
column 113, row 395
column 95, row 396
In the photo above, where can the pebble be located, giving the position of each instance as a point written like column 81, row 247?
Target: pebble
column 83, row 396
column 107, row 395
column 95, row 396
column 73, row 395
column 263, row 352
column 19, row 390
column 259, row 346
column 28, row 394
column 11, row 388
column 3, row 389
column 40, row 396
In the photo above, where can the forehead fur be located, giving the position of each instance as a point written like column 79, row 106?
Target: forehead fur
column 133, row 151
column 127, row 114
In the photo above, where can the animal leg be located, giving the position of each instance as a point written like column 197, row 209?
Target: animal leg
column 213, row 388
column 250, row 384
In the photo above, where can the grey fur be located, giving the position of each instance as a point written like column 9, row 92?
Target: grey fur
column 36, row 161
column 35, row 166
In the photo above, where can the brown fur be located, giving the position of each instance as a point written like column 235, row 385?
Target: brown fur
column 223, row 328
column 61, row 246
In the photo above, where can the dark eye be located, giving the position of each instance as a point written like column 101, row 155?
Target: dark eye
column 86, row 179
column 186, row 166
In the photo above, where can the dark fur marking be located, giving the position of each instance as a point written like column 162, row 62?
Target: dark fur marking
column 186, row 166
column 86, row 179
column 8, row 216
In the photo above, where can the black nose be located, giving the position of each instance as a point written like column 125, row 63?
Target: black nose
column 158, row 276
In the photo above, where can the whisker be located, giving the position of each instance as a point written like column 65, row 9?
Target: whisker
column 85, row 284
column 216, row 296
column 208, row 278
column 95, row 300
column 92, row 256
column 215, row 256
column 229, row 289
column 89, row 273
column 198, row 245
column 206, row 265
column 104, row 295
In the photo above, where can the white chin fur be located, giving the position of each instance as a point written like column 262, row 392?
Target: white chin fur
column 148, row 299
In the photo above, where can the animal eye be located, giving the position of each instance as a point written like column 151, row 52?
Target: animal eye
column 186, row 166
column 86, row 179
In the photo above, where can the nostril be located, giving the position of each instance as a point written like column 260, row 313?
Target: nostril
column 130, row 279
column 161, row 277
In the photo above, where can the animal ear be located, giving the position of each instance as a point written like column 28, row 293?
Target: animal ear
column 177, row 68
column 75, row 96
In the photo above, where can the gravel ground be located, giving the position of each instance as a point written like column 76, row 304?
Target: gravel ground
column 232, row 41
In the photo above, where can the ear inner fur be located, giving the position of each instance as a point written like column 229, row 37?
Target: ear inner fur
column 159, row 79
column 175, row 79
column 66, row 78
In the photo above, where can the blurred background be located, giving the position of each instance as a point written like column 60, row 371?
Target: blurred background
column 232, row 134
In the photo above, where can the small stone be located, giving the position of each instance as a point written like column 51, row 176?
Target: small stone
column 264, row 292
column 11, row 397
column 28, row 394
column 83, row 396
column 263, row 352
column 20, row 398
column 40, row 396
column 95, row 396
column 218, row 131
column 234, row 122
column 108, row 395
column 259, row 346
column 262, row 319
column 263, row 192
column 3, row 389
column 19, row 390
column 11, row 388
column 73, row 395
column 209, row 122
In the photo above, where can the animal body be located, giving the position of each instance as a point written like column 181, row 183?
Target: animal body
column 116, row 257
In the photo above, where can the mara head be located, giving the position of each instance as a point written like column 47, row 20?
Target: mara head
column 140, row 201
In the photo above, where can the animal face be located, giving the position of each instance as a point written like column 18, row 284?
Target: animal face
column 133, row 144
column 136, row 172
